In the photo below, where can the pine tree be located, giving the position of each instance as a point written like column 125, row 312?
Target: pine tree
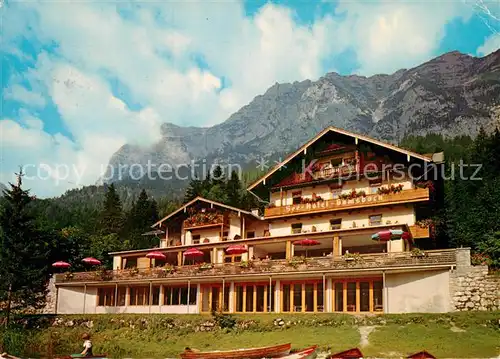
column 218, row 177
column 143, row 214
column 233, row 189
column 25, row 252
column 111, row 218
column 194, row 189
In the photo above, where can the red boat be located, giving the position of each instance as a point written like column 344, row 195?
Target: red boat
column 309, row 353
column 421, row 355
column 353, row 353
column 250, row 353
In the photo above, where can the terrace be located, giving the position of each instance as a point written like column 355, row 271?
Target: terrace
column 352, row 201
column 298, row 265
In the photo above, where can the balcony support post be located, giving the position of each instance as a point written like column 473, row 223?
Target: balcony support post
column 223, row 290
column 336, row 247
column 179, row 258
column 150, row 295
column 84, row 296
column 324, row 294
column 189, row 292
column 116, row 295
column 384, row 293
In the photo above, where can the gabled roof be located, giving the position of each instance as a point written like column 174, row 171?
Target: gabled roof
column 426, row 158
column 206, row 201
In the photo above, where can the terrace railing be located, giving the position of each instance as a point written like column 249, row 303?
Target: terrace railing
column 297, row 264
column 417, row 194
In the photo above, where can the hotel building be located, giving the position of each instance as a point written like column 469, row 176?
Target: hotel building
column 364, row 207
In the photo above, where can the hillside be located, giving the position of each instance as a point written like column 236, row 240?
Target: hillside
column 454, row 94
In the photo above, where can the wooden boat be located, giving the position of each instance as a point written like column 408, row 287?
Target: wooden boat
column 309, row 353
column 421, row 355
column 97, row 356
column 250, row 353
column 353, row 353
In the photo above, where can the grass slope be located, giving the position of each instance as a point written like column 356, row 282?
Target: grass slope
column 457, row 335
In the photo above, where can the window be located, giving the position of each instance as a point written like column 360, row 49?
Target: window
column 251, row 234
column 179, row 295
column 156, row 295
column 130, row 263
column 224, row 235
column 297, row 197
column 375, row 184
column 196, row 239
column 122, row 294
column 335, row 223
column 106, row 297
column 296, row 227
column 358, row 296
column 139, row 296
column 375, row 220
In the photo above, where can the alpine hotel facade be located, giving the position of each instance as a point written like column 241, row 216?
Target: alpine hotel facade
column 346, row 229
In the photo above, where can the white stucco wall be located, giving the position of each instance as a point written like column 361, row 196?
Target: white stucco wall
column 324, row 190
column 397, row 215
column 70, row 300
column 418, row 292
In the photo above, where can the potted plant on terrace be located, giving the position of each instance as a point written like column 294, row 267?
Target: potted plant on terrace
column 417, row 253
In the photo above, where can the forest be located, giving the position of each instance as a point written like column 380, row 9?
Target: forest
column 95, row 220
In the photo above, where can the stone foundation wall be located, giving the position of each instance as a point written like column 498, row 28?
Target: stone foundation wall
column 50, row 304
column 471, row 287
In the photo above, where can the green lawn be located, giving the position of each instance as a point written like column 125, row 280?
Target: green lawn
column 458, row 335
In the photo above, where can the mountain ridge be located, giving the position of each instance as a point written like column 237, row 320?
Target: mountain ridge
column 453, row 94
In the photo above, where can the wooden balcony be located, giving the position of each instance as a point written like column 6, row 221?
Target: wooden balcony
column 204, row 221
column 406, row 196
column 377, row 261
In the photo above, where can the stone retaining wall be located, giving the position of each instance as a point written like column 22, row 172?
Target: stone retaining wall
column 471, row 287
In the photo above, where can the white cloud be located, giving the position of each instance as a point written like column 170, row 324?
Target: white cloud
column 491, row 44
column 25, row 96
column 388, row 36
column 155, row 53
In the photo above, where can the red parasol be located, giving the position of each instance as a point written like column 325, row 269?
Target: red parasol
column 91, row 261
column 193, row 252
column 61, row 264
column 156, row 255
column 306, row 243
column 236, row 249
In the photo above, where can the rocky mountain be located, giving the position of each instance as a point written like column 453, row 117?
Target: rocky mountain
column 453, row 94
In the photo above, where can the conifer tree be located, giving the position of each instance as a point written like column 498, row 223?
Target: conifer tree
column 25, row 252
column 111, row 218
column 143, row 214
column 233, row 189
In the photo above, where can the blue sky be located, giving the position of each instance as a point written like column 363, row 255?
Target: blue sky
column 76, row 88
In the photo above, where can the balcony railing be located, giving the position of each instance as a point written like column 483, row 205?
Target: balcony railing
column 321, row 264
column 201, row 220
column 411, row 195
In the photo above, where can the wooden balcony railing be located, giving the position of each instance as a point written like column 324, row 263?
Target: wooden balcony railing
column 411, row 195
column 322, row 264
column 420, row 232
column 203, row 220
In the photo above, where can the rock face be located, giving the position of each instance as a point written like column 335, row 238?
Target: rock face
column 453, row 94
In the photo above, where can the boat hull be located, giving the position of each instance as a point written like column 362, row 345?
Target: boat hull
column 250, row 353
column 309, row 353
column 353, row 353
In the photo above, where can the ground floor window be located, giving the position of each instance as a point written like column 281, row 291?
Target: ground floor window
column 139, row 295
column 304, row 296
column 254, row 297
column 106, row 297
column 357, row 295
column 214, row 298
column 176, row 295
